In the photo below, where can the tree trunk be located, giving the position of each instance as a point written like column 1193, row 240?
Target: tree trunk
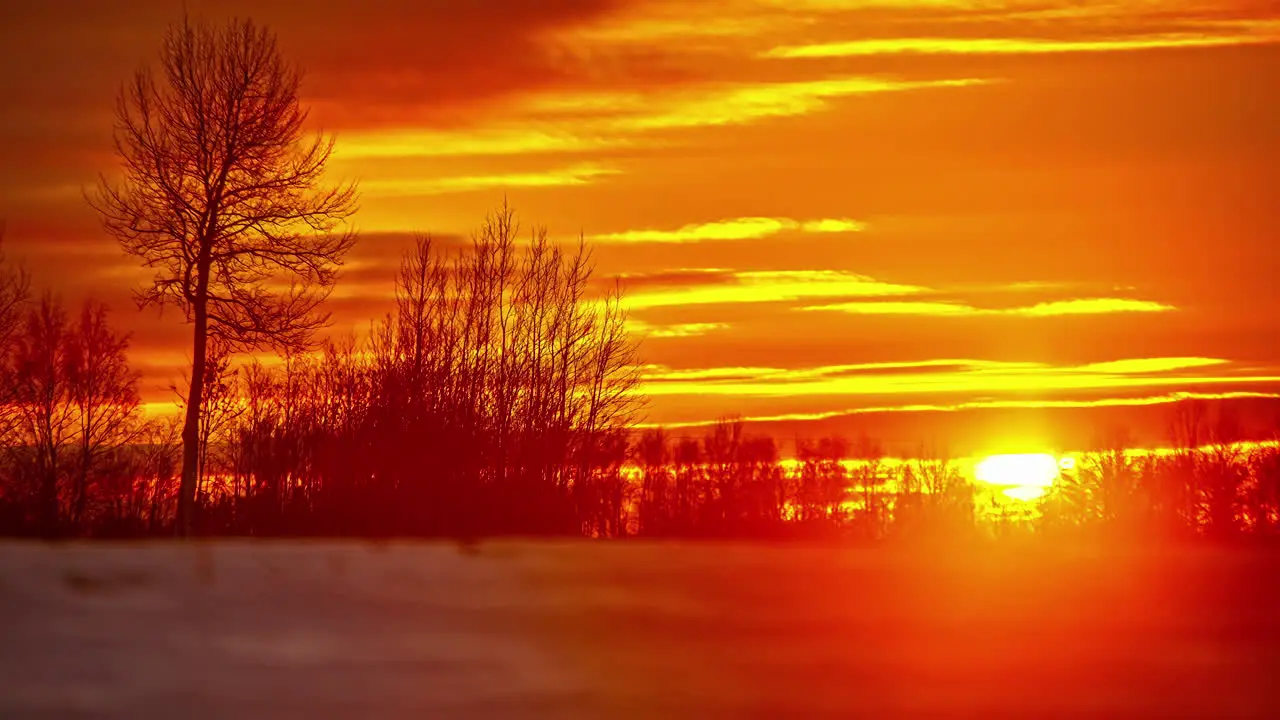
column 49, row 525
column 49, row 478
column 191, row 424
column 82, row 483
column 86, row 457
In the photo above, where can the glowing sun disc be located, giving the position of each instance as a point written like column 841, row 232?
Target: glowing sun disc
column 1025, row 470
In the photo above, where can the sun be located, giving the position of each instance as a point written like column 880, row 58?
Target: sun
column 1025, row 476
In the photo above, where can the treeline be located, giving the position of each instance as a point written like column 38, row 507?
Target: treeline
column 730, row 484
column 495, row 398
column 499, row 396
column 1206, row 484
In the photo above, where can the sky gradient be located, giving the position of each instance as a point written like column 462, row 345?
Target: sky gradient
column 821, row 209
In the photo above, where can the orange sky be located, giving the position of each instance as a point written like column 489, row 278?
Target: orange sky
column 818, row 205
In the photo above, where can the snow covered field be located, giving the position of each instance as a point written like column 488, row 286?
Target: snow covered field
column 628, row 630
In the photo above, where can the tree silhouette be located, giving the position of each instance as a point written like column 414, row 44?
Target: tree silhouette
column 653, row 453
column 1265, row 494
column 15, row 286
column 46, row 421
column 103, row 391
column 823, row 480
column 76, row 406
column 221, row 195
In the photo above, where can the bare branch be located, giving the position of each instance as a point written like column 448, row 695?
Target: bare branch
column 221, row 186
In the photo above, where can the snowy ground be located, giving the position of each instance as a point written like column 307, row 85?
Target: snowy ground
column 595, row 630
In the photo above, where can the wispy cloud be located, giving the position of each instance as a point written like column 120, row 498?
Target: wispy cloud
column 970, row 377
column 1093, row 306
column 1143, row 401
column 923, row 307
column 1112, row 15
column 1007, row 46
column 576, row 122
column 1151, row 365
column 565, row 176
column 771, row 286
column 658, row 373
column 833, row 225
column 469, row 142
column 1080, row 306
column 747, row 228
column 678, row 330
column 747, row 102
column 657, row 21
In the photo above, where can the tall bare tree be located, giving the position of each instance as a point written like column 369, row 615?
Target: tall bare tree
column 222, row 195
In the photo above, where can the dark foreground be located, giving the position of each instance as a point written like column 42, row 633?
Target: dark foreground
column 529, row 630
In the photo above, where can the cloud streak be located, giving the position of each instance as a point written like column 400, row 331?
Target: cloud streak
column 1057, row 308
column 470, row 142
column 582, row 121
column 1007, row 46
column 743, row 103
column 764, row 286
column 678, row 330
column 558, row 177
column 971, row 377
column 1117, row 402
column 747, row 228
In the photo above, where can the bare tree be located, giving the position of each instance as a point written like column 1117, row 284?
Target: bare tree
column 103, row 391
column 76, row 407
column 15, row 286
column 221, row 194
column 46, row 420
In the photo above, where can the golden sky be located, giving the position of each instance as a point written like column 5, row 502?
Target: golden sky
column 817, row 206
